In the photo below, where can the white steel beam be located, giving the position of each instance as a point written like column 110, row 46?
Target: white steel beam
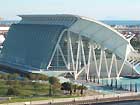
column 89, row 60
column 61, row 52
column 77, row 58
column 118, row 75
column 116, row 65
column 83, row 53
column 95, row 61
column 106, row 64
column 71, row 51
column 100, row 63
column 68, row 52
column 80, row 71
column 56, row 47
column 111, row 64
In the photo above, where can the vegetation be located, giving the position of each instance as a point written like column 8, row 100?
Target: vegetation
column 66, row 86
column 36, row 85
column 72, row 88
column 54, row 85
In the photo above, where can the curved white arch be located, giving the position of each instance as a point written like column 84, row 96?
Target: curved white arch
column 104, row 35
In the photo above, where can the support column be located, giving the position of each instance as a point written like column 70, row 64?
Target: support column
column 118, row 75
column 71, row 51
column 89, row 61
column 100, row 63
column 84, row 58
column 95, row 61
column 64, row 60
column 106, row 64
column 56, row 48
column 111, row 64
column 116, row 65
column 77, row 58
column 68, row 52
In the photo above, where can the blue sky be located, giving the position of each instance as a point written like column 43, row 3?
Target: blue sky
column 98, row 9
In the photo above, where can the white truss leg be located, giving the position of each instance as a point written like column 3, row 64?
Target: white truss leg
column 95, row 60
column 57, row 55
column 116, row 65
column 79, row 65
column 100, row 64
column 71, row 51
column 89, row 60
column 118, row 75
column 83, row 54
column 111, row 64
column 68, row 53
column 80, row 71
column 56, row 47
column 64, row 60
column 77, row 58
column 118, row 71
column 106, row 64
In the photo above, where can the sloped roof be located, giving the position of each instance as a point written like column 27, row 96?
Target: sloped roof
column 30, row 45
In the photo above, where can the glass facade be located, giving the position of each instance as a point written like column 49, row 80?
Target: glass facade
column 30, row 45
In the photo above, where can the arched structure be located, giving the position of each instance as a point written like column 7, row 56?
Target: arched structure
column 62, row 44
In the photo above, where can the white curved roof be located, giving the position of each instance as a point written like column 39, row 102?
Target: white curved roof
column 102, row 34
column 95, row 30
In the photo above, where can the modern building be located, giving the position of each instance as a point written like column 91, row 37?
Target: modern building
column 67, row 45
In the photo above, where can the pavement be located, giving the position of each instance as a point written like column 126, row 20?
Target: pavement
column 83, row 100
column 4, row 98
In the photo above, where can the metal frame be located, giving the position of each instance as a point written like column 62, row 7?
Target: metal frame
column 76, row 68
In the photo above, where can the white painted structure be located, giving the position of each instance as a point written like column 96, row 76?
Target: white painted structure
column 100, row 37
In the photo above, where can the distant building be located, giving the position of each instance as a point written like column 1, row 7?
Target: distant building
column 4, row 29
column 1, row 18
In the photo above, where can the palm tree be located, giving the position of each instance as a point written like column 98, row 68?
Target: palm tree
column 116, row 84
column 130, row 86
column 136, row 87
column 82, row 88
column 75, row 88
column 111, row 84
column 67, row 86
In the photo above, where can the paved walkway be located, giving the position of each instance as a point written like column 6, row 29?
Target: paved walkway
column 102, row 98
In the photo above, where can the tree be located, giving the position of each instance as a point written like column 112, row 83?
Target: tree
column 66, row 86
column 82, row 88
column 54, row 82
column 116, row 83
column 12, row 91
column 42, row 77
column 31, row 76
column 5, row 76
column 36, row 86
column 0, row 76
column 111, row 84
column 37, row 77
column 136, row 87
column 75, row 88
column 15, row 76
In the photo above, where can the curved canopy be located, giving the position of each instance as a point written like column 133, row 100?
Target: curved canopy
column 104, row 35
